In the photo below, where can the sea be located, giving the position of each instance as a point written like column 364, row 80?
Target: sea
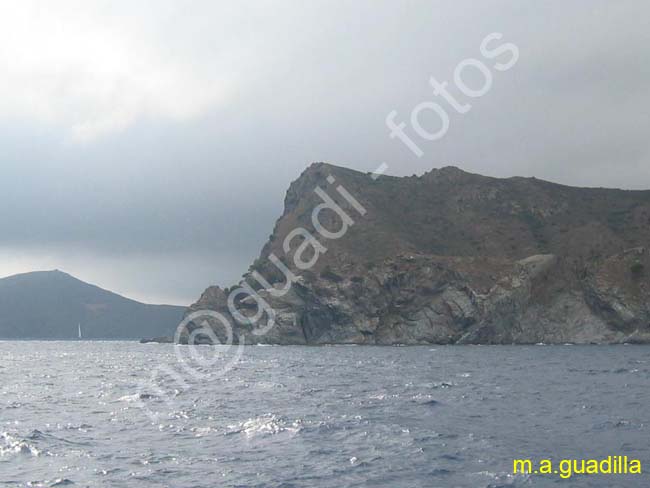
column 123, row 414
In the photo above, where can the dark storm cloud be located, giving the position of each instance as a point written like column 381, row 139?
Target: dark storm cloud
column 148, row 149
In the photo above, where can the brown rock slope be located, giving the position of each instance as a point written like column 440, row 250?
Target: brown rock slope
column 450, row 257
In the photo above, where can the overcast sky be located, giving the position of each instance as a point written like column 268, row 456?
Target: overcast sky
column 146, row 146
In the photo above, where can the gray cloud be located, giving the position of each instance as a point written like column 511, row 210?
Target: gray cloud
column 148, row 148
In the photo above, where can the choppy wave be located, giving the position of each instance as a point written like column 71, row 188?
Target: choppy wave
column 338, row 417
column 136, row 397
column 10, row 444
column 268, row 424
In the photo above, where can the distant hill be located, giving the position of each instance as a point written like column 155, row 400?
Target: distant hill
column 453, row 257
column 51, row 304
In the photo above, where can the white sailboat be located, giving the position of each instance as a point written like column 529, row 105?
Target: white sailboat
column 79, row 330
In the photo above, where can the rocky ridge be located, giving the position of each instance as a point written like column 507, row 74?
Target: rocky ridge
column 449, row 257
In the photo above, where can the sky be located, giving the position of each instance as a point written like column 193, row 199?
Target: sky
column 147, row 146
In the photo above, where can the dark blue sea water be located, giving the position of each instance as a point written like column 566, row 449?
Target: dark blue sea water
column 119, row 414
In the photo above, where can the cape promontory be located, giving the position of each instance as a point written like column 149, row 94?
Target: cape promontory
column 448, row 257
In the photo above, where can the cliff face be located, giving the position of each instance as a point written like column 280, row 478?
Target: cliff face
column 448, row 257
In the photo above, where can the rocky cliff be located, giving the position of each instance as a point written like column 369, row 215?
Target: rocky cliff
column 446, row 257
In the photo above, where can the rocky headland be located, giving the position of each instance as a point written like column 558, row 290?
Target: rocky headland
column 448, row 257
